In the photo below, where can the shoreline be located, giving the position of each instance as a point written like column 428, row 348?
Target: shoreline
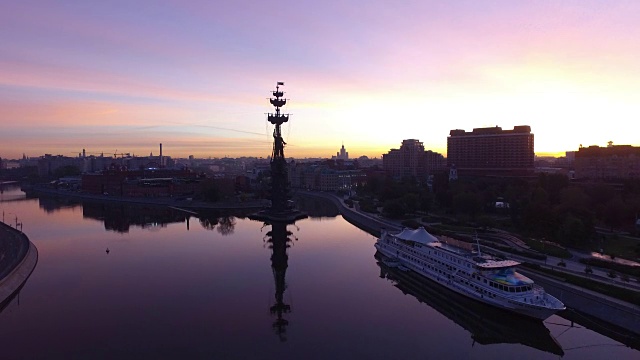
column 17, row 270
column 160, row 201
column 611, row 313
column 615, row 312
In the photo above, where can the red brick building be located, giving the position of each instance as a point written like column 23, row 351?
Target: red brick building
column 492, row 151
column 144, row 183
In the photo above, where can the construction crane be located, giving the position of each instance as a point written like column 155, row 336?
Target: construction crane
column 122, row 155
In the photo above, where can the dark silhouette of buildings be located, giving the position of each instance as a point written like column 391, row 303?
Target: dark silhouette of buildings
column 412, row 160
column 320, row 176
column 611, row 162
column 142, row 183
column 343, row 154
column 492, row 151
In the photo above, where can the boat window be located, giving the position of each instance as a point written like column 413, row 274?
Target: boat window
column 485, row 281
column 511, row 289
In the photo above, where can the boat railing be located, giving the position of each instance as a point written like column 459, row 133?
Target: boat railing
column 538, row 290
column 541, row 298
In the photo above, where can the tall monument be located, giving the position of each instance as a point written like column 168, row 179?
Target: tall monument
column 280, row 214
column 281, row 208
column 279, row 172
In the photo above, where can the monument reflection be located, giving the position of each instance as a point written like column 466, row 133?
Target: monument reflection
column 278, row 240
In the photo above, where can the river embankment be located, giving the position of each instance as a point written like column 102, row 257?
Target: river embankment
column 611, row 311
column 607, row 310
column 180, row 203
column 18, row 259
column 369, row 223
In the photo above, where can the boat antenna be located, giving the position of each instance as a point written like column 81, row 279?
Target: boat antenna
column 477, row 242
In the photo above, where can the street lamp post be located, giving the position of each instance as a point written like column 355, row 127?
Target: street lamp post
column 10, row 213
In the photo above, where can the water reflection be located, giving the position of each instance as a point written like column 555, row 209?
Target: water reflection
column 53, row 204
column 278, row 241
column 121, row 217
column 197, row 294
column 486, row 324
column 616, row 333
column 316, row 208
column 223, row 222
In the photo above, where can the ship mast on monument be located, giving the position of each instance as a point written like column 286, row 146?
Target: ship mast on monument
column 279, row 173
column 281, row 208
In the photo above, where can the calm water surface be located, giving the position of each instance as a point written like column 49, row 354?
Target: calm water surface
column 175, row 286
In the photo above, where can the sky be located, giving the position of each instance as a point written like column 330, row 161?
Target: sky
column 123, row 76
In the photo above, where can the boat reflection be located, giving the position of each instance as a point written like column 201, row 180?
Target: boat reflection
column 486, row 324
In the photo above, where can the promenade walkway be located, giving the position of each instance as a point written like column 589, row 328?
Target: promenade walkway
column 18, row 259
column 600, row 306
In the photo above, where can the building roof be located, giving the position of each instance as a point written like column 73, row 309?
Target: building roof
column 419, row 235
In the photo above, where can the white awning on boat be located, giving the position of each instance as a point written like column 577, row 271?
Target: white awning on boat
column 419, row 235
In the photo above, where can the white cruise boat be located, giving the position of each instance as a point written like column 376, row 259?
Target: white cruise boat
column 454, row 264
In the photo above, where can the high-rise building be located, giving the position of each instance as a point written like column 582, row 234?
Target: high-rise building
column 492, row 151
column 342, row 154
column 611, row 162
column 412, row 160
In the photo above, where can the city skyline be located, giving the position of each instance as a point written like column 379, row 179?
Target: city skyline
column 114, row 76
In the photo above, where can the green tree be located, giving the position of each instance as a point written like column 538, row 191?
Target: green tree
column 210, row 191
column 553, row 184
column 441, row 189
column 538, row 217
column 466, row 203
column 614, row 213
column 426, row 200
column 394, row 208
column 485, row 222
column 410, row 202
column 572, row 231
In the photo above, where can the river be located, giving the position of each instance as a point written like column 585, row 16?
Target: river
column 115, row 281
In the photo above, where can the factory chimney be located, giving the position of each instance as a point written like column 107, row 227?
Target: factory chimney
column 161, row 158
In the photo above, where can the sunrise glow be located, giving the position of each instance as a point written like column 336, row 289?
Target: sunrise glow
column 106, row 76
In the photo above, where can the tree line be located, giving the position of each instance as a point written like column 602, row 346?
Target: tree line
column 548, row 206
